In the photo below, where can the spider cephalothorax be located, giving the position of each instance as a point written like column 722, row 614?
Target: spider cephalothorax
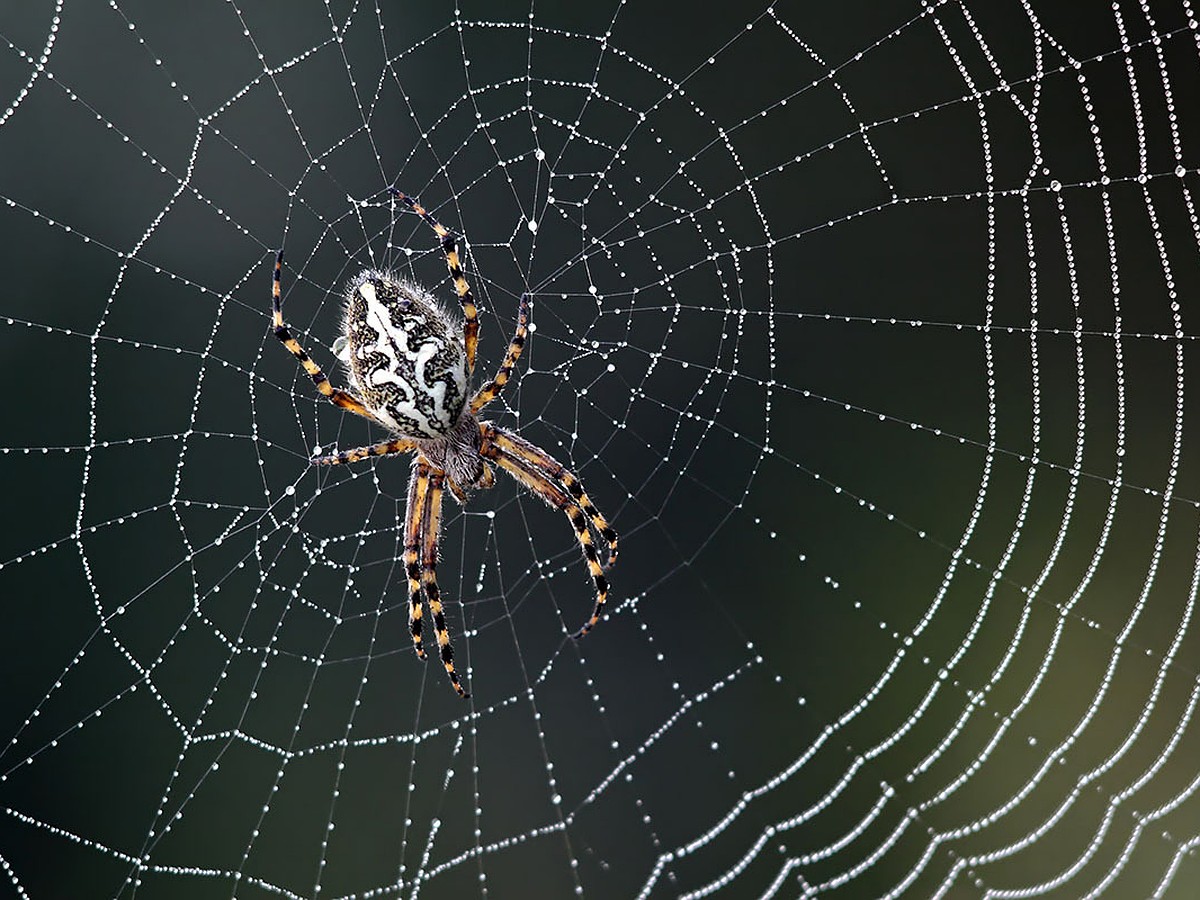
column 410, row 373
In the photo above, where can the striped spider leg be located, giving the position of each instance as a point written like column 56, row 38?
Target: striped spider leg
column 470, row 325
column 423, row 523
column 542, row 474
column 547, row 478
column 337, row 397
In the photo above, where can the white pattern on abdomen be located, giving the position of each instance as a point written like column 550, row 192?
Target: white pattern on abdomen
column 413, row 382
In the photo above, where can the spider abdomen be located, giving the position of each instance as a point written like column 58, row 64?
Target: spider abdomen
column 406, row 360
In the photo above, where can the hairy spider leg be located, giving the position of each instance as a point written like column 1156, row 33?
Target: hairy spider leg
column 492, row 389
column 459, row 494
column 385, row 448
column 557, row 472
column 433, row 527
column 450, row 248
column 498, row 446
column 414, row 532
column 336, row 396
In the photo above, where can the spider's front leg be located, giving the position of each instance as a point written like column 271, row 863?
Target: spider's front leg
column 414, row 532
column 422, row 526
column 433, row 527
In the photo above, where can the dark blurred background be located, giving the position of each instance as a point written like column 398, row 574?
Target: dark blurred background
column 869, row 325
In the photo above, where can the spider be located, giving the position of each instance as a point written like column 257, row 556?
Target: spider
column 409, row 372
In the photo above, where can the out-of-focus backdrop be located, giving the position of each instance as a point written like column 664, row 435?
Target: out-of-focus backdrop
column 870, row 325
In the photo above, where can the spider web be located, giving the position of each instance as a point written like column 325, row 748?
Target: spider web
column 867, row 324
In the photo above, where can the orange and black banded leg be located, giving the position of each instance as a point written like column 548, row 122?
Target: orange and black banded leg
column 387, row 448
column 414, row 535
column 555, row 471
column 492, row 389
column 429, row 555
column 575, row 489
column 450, row 248
column 555, row 496
column 337, row 397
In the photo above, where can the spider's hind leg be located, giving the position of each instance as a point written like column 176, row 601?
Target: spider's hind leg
column 450, row 249
column 335, row 396
column 422, row 525
column 492, row 389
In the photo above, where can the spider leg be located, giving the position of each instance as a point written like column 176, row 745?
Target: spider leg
column 555, row 471
column 528, row 467
column 433, row 525
column 336, row 396
column 414, row 532
column 387, row 448
column 492, row 389
column 459, row 494
column 488, row 479
column 450, row 248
